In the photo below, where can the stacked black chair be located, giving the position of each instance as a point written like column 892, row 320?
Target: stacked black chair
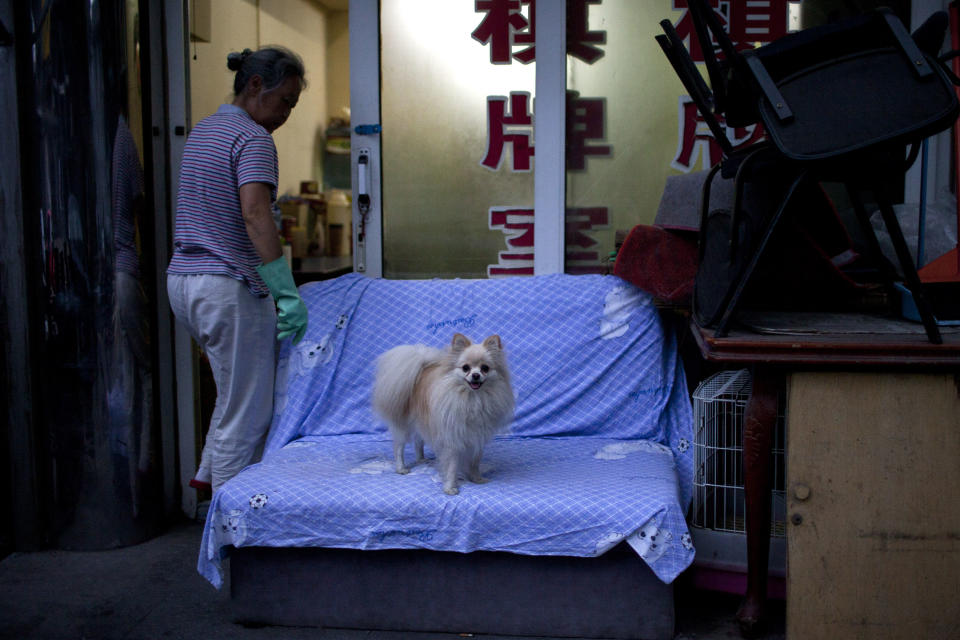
column 839, row 103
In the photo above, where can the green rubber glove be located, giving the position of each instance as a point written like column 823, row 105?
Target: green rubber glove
column 291, row 312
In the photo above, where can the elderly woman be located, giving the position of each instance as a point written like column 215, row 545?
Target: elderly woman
column 227, row 259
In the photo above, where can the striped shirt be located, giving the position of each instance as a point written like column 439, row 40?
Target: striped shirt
column 223, row 152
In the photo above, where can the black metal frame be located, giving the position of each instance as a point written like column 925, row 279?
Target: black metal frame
column 746, row 70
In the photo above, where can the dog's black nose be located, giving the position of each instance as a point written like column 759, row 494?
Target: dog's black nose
column 475, row 376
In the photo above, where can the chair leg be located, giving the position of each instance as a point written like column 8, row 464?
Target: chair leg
column 705, row 210
column 910, row 277
column 873, row 245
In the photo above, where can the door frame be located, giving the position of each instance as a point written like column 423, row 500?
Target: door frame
column 550, row 121
column 152, row 31
column 174, row 130
column 364, row 25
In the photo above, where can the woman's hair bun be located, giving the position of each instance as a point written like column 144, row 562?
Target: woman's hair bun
column 235, row 60
column 272, row 63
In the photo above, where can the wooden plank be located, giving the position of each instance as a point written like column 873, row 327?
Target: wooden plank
column 850, row 349
column 872, row 497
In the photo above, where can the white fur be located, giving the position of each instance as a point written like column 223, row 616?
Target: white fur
column 456, row 399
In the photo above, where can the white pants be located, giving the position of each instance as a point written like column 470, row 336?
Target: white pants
column 237, row 331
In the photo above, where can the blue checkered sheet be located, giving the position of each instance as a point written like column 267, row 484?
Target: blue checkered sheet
column 598, row 453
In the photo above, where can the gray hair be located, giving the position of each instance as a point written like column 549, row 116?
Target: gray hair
column 273, row 64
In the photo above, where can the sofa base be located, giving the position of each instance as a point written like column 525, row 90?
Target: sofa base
column 613, row 596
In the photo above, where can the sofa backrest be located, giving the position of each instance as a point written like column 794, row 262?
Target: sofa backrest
column 589, row 355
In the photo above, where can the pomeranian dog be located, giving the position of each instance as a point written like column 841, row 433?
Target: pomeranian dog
column 456, row 399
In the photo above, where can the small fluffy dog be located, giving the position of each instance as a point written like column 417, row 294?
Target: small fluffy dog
column 455, row 399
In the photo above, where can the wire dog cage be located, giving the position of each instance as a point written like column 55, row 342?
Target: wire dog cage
column 718, row 498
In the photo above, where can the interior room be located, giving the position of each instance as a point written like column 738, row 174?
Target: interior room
column 313, row 146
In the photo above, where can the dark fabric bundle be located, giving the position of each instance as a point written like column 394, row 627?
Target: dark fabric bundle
column 660, row 262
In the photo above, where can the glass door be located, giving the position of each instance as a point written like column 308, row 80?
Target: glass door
column 509, row 137
column 443, row 143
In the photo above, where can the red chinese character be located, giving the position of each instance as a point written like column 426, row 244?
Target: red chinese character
column 505, row 26
column 585, row 121
column 498, row 134
column 746, row 22
column 685, row 29
column 503, row 19
column 695, row 140
column 580, row 40
column 517, row 224
column 757, row 22
column 578, row 257
column 527, row 36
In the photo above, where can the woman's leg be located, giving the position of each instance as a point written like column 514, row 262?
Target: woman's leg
column 237, row 331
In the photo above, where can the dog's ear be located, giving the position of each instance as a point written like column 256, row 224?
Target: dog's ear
column 460, row 342
column 493, row 342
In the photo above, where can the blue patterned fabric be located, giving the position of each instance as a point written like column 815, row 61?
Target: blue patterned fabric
column 599, row 450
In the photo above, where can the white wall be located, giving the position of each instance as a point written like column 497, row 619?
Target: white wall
column 299, row 25
column 338, row 63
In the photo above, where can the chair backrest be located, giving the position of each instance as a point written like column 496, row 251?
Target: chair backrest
column 748, row 86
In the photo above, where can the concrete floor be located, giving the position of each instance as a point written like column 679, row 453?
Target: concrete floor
column 152, row 591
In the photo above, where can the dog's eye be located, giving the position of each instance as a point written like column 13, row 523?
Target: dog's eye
column 466, row 368
column 484, row 368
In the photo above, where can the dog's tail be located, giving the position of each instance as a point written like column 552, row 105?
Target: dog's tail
column 396, row 376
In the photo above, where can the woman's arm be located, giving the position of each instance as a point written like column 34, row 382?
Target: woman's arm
column 258, row 216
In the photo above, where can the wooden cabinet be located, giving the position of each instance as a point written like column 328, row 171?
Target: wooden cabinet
column 873, row 505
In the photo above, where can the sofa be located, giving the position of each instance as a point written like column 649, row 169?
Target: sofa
column 580, row 530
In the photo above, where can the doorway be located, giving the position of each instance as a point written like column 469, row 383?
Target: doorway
column 313, row 147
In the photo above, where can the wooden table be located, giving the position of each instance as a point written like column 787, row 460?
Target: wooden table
column 777, row 345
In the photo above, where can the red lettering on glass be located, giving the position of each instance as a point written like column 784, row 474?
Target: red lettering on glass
column 527, row 36
column 497, row 28
column 695, row 141
column 747, row 23
column 504, row 26
column 578, row 256
column 580, row 40
column 582, row 219
column 517, row 225
column 585, row 121
column 501, row 130
column 750, row 23
column 685, row 29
